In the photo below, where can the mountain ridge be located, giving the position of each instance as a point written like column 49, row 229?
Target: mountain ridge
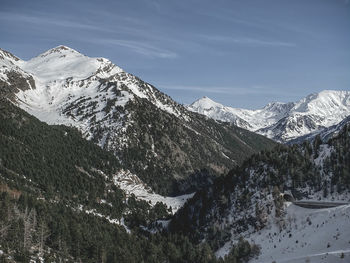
column 153, row 136
column 283, row 122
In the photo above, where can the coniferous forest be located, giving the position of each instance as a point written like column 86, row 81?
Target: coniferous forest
column 50, row 178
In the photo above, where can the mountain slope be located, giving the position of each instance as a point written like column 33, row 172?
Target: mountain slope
column 154, row 137
column 12, row 77
column 325, row 134
column 283, row 122
column 53, row 161
column 59, row 201
column 251, row 200
column 317, row 235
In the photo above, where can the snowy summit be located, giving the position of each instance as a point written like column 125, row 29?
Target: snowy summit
column 283, row 121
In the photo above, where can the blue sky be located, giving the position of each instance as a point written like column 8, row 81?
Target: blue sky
column 240, row 53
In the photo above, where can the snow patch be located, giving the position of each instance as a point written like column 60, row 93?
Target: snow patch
column 324, row 152
column 306, row 235
column 132, row 184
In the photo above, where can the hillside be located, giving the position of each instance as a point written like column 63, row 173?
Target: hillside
column 250, row 201
column 159, row 140
column 59, row 201
column 310, row 235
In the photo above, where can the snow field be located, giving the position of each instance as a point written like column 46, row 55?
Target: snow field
column 304, row 235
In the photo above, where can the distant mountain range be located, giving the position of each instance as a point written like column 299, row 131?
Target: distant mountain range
column 170, row 148
column 284, row 122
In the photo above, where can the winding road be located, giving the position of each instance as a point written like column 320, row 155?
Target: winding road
column 319, row 204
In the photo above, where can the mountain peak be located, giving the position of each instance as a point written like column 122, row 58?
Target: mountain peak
column 284, row 121
column 331, row 101
column 205, row 103
column 327, row 94
column 63, row 47
column 60, row 49
column 334, row 93
column 207, row 99
column 62, row 62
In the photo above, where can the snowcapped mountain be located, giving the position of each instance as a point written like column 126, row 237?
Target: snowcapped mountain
column 154, row 137
column 63, row 62
column 63, row 76
column 248, row 119
column 283, row 122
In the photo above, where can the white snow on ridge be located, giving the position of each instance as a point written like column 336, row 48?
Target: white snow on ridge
column 131, row 184
column 8, row 63
column 135, row 89
column 64, row 78
column 253, row 119
column 309, row 235
column 148, row 93
column 283, row 121
column 62, row 62
column 61, row 72
column 46, row 102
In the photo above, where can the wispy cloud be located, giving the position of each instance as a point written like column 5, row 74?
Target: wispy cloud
column 265, row 23
column 139, row 47
column 228, row 90
column 233, row 18
column 130, row 28
column 254, row 42
column 213, row 89
column 40, row 19
column 154, row 3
